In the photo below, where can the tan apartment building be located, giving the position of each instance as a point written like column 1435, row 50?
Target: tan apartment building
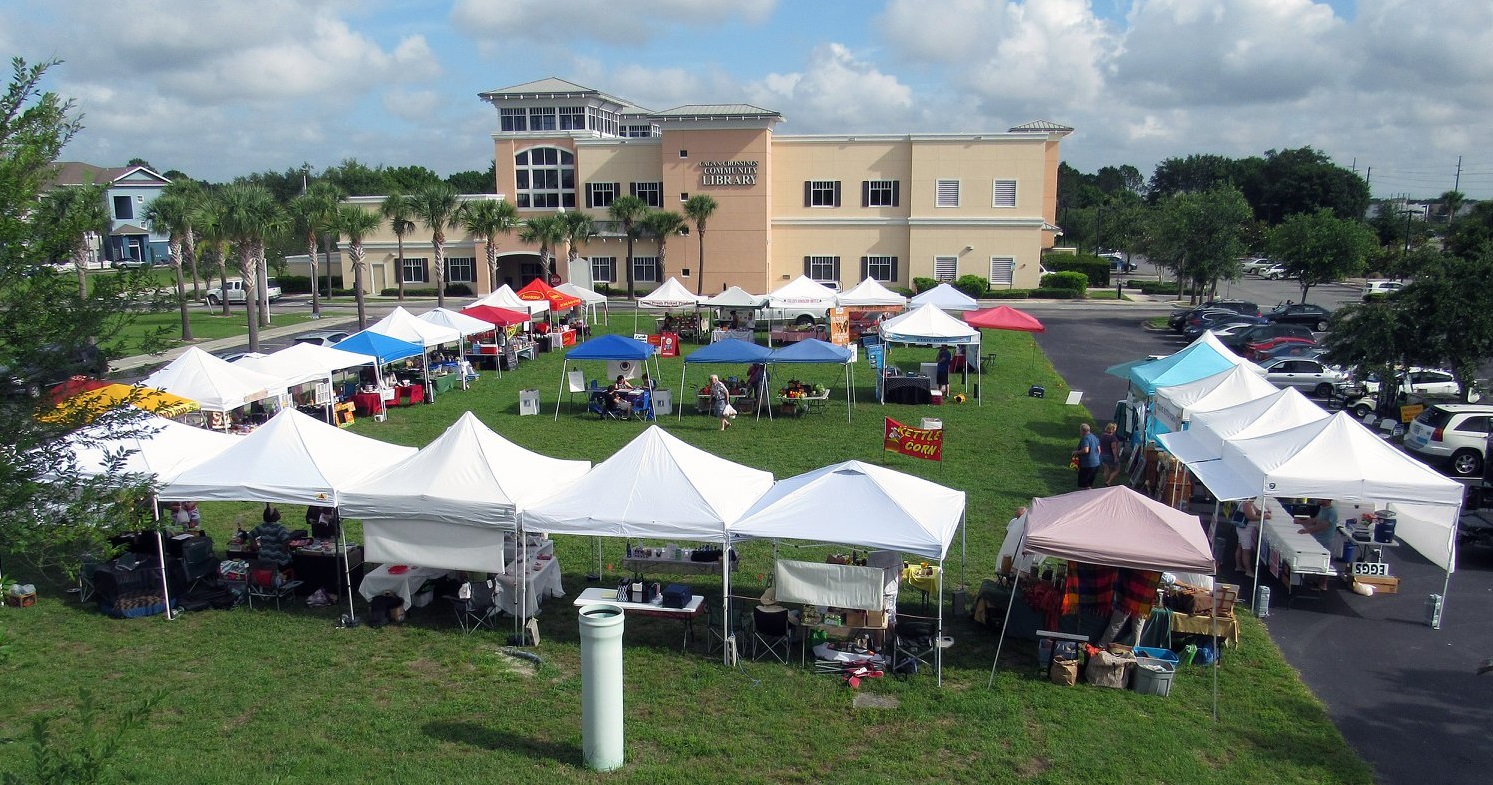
column 834, row 207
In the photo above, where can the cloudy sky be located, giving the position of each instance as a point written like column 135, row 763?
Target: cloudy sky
column 1399, row 89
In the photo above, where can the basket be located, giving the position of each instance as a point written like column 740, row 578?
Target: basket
column 20, row 600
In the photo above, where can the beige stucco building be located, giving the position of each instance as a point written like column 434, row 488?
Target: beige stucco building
column 835, row 207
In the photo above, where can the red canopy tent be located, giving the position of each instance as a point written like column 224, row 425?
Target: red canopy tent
column 1004, row 317
column 501, row 317
column 537, row 289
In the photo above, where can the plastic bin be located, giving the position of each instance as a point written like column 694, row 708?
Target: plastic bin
column 1165, row 655
column 528, row 402
column 663, row 402
column 1153, row 676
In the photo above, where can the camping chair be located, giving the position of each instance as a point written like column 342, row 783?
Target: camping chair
column 268, row 580
column 642, row 406
column 479, row 610
column 715, row 622
column 913, row 644
column 575, row 383
column 771, row 633
column 598, row 406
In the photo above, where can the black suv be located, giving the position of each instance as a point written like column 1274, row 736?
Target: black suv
column 1264, row 332
column 1314, row 316
column 1178, row 321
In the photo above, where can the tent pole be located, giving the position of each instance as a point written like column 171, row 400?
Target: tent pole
column 155, row 514
column 849, row 391
column 347, row 578
column 725, row 602
column 938, row 641
column 1451, row 550
column 1254, row 596
column 963, row 544
column 1000, row 642
column 680, row 405
column 564, row 366
column 429, row 388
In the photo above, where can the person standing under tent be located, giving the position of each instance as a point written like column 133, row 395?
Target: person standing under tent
column 720, row 401
column 1109, row 453
column 1323, row 528
column 1087, row 456
column 945, row 359
column 1249, row 534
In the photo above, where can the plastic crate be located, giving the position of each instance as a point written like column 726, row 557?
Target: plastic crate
column 1154, row 676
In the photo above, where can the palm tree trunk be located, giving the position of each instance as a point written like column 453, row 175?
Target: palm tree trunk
column 492, row 263
column 399, row 267
column 189, row 248
column 223, row 280
column 261, row 280
column 174, row 250
column 248, row 270
column 631, row 295
column 357, row 254
column 700, row 270
column 439, row 243
column 315, row 275
column 80, row 262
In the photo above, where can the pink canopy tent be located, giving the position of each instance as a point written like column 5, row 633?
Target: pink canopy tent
column 501, row 317
column 1004, row 317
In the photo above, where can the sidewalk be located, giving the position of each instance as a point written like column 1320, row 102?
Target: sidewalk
column 142, row 361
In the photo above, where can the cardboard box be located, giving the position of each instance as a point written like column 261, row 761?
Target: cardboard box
column 20, row 600
column 876, row 619
column 1383, row 584
column 855, row 618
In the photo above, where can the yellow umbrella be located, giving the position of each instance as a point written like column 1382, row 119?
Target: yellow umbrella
column 87, row 406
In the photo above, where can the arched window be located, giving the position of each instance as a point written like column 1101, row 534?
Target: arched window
column 545, row 177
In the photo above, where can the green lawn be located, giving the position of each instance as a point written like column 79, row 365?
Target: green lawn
column 207, row 324
column 264, row 696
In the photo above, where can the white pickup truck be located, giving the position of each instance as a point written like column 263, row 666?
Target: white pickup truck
column 236, row 292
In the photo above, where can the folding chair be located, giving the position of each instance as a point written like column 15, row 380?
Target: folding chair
column 772, row 634
column 268, row 580
column 598, row 406
column 575, row 383
column 914, row 644
column 479, row 610
column 642, row 406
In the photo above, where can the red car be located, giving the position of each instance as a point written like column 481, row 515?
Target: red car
column 1262, row 349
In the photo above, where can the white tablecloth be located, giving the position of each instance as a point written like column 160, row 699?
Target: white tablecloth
column 537, row 547
column 404, row 585
column 543, row 582
column 1286, row 547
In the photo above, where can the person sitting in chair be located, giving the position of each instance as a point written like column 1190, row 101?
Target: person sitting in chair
column 617, row 400
column 273, row 538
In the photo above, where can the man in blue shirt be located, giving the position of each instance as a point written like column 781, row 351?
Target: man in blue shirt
column 1088, row 456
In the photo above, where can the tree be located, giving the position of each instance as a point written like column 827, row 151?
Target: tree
column 358, row 179
column 579, row 229
column 410, row 179
column 211, row 220
column 400, row 212
column 1451, row 204
column 1371, row 339
column 1199, row 236
column 172, row 214
column 475, row 182
column 311, row 213
column 626, row 211
column 1320, row 248
column 436, row 207
column 699, row 208
column 1304, row 180
column 250, row 215
column 192, row 194
column 547, row 232
column 1193, row 174
column 355, row 223
column 664, row 224
column 488, row 218
column 1450, row 322
column 81, row 213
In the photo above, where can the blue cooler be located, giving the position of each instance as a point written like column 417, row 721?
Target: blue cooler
column 1384, row 527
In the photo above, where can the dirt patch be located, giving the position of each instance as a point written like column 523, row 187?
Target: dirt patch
column 871, row 700
column 1033, row 768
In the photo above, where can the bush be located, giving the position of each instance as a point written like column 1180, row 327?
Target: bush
column 301, row 284
column 972, row 285
column 1154, row 287
column 923, row 284
column 1009, row 294
column 1071, row 280
column 1056, row 294
column 1094, row 268
column 452, row 290
column 902, row 290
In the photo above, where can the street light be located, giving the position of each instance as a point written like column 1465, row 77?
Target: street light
column 1405, row 254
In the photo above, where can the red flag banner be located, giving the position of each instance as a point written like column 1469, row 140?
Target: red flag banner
column 917, row 442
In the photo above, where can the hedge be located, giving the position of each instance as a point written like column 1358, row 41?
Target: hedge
column 1096, row 269
column 1071, row 280
column 452, row 290
column 1056, row 294
column 972, row 285
column 1153, row 287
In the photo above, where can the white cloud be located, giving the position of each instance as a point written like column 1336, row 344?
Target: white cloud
column 635, row 22
column 837, row 92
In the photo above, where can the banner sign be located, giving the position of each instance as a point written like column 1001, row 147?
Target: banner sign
column 917, row 442
column 876, row 355
column 839, row 327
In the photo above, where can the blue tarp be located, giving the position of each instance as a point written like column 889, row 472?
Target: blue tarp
column 730, row 350
column 385, row 348
column 811, row 350
column 611, row 347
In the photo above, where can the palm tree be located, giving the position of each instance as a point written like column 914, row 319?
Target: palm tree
column 436, row 206
column 546, row 231
column 699, row 208
column 626, row 210
column 192, row 193
column 83, row 211
column 355, row 223
column 579, row 229
column 488, row 218
column 172, row 213
column 664, row 224
column 311, row 212
column 397, row 208
column 209, row 218
column 1452, row 202
column 250, row 214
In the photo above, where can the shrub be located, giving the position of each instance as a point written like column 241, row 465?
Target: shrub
column 1008, row 294
column 1096, row 269
column 902, row 290
column 1154, row 287
column 1071, row 280
column 923, row 284
column 1056, row 294
column 972, row 285
column 452, row 290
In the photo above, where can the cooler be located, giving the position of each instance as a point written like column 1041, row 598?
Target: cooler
column 528, row 402
column 663, row 402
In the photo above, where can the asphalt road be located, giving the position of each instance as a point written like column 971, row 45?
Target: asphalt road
column 1404, row 695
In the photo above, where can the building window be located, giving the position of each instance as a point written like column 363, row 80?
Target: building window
column 545, row 177
column 879, row 268
column 945, row 268
column 684, row 196
column 638, row 131
column 683, row 153
column 644, row 268
column 1003, row 194
column 123, row 209
column 461, row 269
column 514, row 119
column 601, row 194
column 572, row 118
column 821, row 193
column 603, row 269
column 601, row 121
column 822, row 268
column 542, row 118
column 880, row 193
column 528, row 271
column 946, row 193
column 652, row 194
column 415, row 270
column 1002, row 271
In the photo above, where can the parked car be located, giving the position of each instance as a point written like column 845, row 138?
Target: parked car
column 1117, row 262
column 1362, row 395
column 1276, row 272
column 1237, row 340
column 1313, row 316
column 1178, row 321
column 1255, row 265
column 1455, row 434
column 321, row 337
column 1232, row 320
column 1261, row 350
column 1310, row 351
column 131, row 264
column 1374, row 290
column 236, row 292
column 1310, row 376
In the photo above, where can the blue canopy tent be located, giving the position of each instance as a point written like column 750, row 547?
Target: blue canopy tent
column 728, row 351
column 813, row 350
column 380, row 346
column 613, row 348
column 1202, row 358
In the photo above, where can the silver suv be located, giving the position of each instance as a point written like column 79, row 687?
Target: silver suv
column 1455, row 434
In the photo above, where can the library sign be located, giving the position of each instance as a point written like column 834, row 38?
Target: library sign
column 717, row 173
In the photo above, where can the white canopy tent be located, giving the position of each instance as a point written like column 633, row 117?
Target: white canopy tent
column 928, row 325
column 870, row 292
column 590, row 299
column 154, row 446
column 1204, row 440
column 946, row 297
column 463, row 324
column 406, row 326
column 303, row 363
column 801, row 292
column 735, row 297
column 669, row 295
column 659, row 487
column 1176, row 405
column 1340, row 459
column 216, row 385
column 505, row 297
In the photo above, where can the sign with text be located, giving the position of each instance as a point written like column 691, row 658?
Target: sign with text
column 1371, row 568
column 876, row 356
column 839, row 327
column 917, row 442
column 718, row 173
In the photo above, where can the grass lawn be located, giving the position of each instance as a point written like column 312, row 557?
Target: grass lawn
column 264, row 696
column 207, row 324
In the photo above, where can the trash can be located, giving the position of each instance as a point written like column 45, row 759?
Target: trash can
column 528, row 402
column 663, row 402
column 1154, row 677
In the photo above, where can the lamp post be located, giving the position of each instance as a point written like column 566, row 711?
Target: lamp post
column 1405, row 252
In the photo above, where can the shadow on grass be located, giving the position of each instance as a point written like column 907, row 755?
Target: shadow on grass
column 488, row 738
